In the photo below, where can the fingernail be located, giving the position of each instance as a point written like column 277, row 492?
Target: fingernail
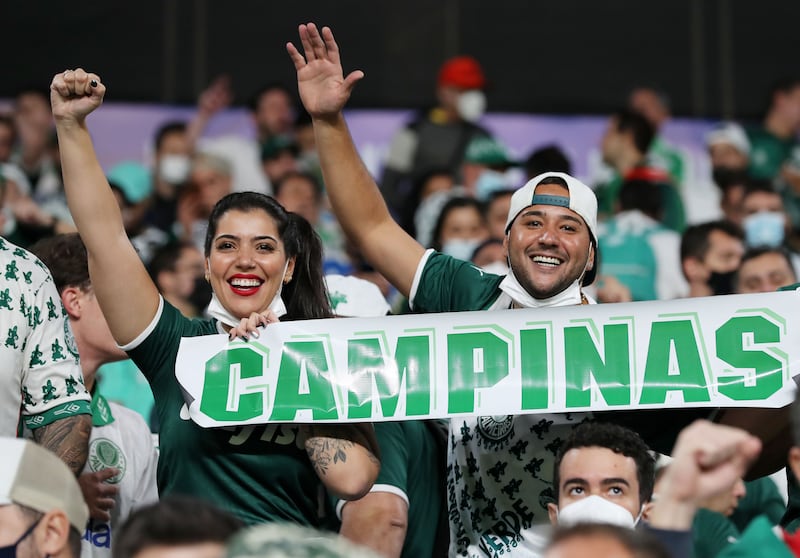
column 254, row 335
column 93, row 83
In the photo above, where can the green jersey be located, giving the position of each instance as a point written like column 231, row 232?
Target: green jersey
column 259, row 473
column 767, row 153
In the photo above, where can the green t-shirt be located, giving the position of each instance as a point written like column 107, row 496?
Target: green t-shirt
column 758, row 540
column 411, row 469
column 711, row 533
column 761, row 498
column 767, row 153
column 466, row 287
column 259, row 473
column 673, row 214
column 666, row 157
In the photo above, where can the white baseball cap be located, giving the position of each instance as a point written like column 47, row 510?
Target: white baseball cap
column 353, row 297
column 34, row 477
column 581, row 199
column 729, row 133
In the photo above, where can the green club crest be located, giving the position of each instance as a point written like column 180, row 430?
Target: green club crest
column 103, row 453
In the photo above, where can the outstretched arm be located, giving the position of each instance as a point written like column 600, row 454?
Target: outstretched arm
column 354, row 196
column 126, row 294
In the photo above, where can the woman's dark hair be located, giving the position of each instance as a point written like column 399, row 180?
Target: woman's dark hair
column 452, row 204
column 304, row 295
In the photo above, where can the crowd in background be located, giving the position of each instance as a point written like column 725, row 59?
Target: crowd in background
column 449, row 184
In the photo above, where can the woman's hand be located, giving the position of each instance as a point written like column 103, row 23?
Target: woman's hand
column 74, row 94
column 248, row 327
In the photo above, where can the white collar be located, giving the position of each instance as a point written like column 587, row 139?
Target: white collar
column 569, row 296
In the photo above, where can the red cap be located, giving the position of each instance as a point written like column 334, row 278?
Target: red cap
column 463, row 72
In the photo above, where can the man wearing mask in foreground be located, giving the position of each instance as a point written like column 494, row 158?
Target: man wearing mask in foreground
column 498, row 467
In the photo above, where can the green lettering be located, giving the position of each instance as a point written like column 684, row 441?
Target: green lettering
column 688, row 377
column 369, row 367
column 222, row 397
column 583, row 361
column 303, row 360
column 768, row 376
column 475, row 360
column 534, row 368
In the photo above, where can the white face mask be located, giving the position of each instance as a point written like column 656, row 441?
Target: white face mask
column 496, row 268
column 460, row 248
column 174, row 169
column 217, row 310
column 596, row 509
column 471, row 105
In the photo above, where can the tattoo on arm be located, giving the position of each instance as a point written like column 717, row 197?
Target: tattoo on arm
column 328, row 445
column 324, row 452
column 68, row 438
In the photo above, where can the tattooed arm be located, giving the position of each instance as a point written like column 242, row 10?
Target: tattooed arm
column 68, row 438
column 345, row 457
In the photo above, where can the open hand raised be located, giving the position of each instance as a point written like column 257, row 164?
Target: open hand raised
column 320, row 80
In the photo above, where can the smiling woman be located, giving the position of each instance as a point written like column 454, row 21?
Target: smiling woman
column 257, row 256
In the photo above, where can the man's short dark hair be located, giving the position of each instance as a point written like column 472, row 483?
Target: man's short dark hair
column 317, row 187
column 758, row 185
column 641, row 130
column 639, row 543
column 65, row 256
column 166, row 257
column 619, row 440
column 757, row 252
column 171, row 127
column 547, row 159
column 174, row 521
column 695, row 240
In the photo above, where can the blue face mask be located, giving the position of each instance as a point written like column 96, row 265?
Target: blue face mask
column 460, row 248
column 10, row 551
column 488, row 182
column 765, row 228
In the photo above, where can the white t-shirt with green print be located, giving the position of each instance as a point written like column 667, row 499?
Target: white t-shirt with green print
column 41, row 375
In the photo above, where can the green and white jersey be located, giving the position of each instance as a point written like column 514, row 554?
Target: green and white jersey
column 120, row 438
column 42, row 375
column 667, row 157
column 499, row 468
column 260, row 473
column 410, row 469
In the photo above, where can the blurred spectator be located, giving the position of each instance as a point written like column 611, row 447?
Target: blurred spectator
column 425, row 202
column 710, row 255
column 732, row 186
column 210, row 180
column 437, row 139
column 764, row 270
column 283, row 540
column 171, row 167
column 772, row 142
column 600, row 540
column 42, row 511
column 547, row 159
column 177, row 526
column 491, row 256
column 497, row 212
column 764, row 218
column 637, row 249
column 121, row 470
column 178, row 270
column 243, row 153
column 654, row 105
column 279, row 157
column 301, row 193
column 624, row 146
column 728, row 147
column 461, row 227
column 484, row 168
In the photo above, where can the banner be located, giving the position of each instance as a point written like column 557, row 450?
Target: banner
column 726, row 351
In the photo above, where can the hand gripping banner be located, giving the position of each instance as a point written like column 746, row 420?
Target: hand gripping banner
column 725, row 351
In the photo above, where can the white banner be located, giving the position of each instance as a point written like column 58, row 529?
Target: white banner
column 725, row 351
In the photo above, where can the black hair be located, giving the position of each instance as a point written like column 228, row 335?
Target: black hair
column 65, row 256
column 641, row 130
column 453, row 204
column 757, row 252
column 317, row 187
column 756, row 185
column 643, row 195
column 547, row 159
column 305, row 294
column 695, row 240
column 618, row 439
column 173, row 521
column 165, row 258
column 252, row 103
column 171, row 127
column 640, row 544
